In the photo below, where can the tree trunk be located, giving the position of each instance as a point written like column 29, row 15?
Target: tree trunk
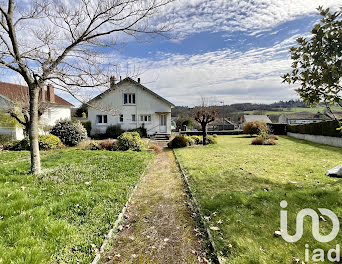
column 33, row 129
column 204, row 133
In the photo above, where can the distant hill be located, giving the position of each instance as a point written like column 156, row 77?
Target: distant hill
column 234, row 111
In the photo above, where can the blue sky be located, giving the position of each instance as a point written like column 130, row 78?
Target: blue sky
column 233, row 51
column 226, row 50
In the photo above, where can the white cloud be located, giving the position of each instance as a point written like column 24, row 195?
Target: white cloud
column 195, row 16
column 252, row 76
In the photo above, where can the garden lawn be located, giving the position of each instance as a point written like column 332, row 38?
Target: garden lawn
column 62, row 215
column 240, row 186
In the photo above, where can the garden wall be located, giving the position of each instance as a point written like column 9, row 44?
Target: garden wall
column 332, row 141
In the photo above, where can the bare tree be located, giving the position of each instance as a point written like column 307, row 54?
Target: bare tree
column 19, row 108
column 65, row 43
column 204, row 115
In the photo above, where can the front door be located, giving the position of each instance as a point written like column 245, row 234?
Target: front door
column 162, row 124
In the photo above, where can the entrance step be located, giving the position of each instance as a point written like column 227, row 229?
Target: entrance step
column 161, row 136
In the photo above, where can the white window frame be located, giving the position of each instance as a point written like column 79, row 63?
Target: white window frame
column 146, row 119
column 130, row 97
column 134, row 119
column 102, row 120
column 121, row 117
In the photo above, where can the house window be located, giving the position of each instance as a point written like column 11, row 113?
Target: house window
column 129, row 98
column 145, row 118
column 101, row 119
column 121, row 118
column 133, row 118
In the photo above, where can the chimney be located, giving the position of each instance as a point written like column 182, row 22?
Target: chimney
column 43, row 94
column 50, row 93
column 112, row 81
column 138, row 80
column 120, row 79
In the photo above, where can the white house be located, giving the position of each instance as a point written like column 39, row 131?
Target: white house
column 131, row 105
column 56, row 107
column 303, row 118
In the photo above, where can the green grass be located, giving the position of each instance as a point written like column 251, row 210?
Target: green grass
column 62, row 215
column 242, row 185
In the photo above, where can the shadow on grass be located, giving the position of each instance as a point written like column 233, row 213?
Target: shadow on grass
column 313, row 144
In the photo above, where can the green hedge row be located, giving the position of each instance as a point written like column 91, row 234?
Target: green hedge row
column 321, row 129
column 222, row 132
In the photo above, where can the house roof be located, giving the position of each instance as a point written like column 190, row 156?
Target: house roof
column 128, row 79
column 15, row 92
column 218, row 121
column 338, row 115
column 307, row 116
column 257, row 118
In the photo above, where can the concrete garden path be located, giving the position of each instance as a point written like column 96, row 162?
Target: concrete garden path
column 159, row 227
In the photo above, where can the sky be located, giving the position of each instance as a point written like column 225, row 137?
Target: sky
column 231, row 51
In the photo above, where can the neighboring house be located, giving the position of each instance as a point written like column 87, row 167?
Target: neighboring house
column 254, row 118
column 302, row 118
column 337, row 115
column 131, row 105
column 56, row 107
column 219, row 125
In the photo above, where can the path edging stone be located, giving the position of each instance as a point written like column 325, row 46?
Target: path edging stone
column 197, row 210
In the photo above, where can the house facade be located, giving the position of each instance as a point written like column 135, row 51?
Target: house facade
column 55, row 107
column 130, row 105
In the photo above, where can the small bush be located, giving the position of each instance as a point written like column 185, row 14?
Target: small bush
column 261, row 141
column 87, row 126
column 156, row 148
column 191, row 141
column 178, row 142
column 5, row 139
column 89, row 145
column 109, row 144
column 69, row 132
column 258, row 141
column 273, row 137
column 215, row 135
column 130, row 141
column 18, row 145
column 141, row 130
column 198, row 139
column 211, row 140
column 99, row 136
column 253, row 128
column 270, row 142
column 46, row 142
column 114, row 131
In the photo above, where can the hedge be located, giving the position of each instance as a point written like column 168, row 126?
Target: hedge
column 221, row 132
column 277, row 129
column 327, row 128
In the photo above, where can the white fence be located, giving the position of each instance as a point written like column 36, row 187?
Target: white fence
column 332, row 141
